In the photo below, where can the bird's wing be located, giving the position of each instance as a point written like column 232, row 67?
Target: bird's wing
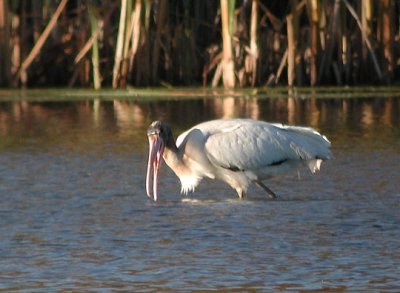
column 241, row 144
column 182, row 137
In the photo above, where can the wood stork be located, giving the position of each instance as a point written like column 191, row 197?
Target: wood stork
column 236, row 151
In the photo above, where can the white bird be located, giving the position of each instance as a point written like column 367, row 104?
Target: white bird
column 236, row 151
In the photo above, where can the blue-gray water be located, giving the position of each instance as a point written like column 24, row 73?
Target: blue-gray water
column 74, row 215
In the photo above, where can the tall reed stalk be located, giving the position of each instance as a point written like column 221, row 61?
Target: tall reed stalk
column 136, row 32
column 94, row 25
column 252, row 57
column 313, row 8
column 295, row 66
column 227, row 23
column 120, row 43
column 388, row 38
column 5, row 53
column 366, row 21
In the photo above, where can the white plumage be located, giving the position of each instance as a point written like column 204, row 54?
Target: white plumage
column 239, row 151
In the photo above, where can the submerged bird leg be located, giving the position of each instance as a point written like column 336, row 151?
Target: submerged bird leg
column 271, row 194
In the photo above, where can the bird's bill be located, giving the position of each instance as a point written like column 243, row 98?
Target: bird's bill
column 156, row 149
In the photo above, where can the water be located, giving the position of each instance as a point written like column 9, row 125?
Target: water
column 74, row 215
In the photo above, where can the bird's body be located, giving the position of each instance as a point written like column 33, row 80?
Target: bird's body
column 238, row 152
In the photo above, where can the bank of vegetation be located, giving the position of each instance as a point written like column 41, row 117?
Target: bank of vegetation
column 234, row 43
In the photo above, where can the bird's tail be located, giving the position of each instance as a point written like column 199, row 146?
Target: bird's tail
column 310, row 145
column 314, row 165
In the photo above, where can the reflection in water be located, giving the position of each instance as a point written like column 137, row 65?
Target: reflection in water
column 74, row 215
column 129, row 119
column 128, row 116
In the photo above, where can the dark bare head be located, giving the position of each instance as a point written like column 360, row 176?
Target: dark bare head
column 163, row 131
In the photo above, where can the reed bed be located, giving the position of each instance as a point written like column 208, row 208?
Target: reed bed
column 230, row 43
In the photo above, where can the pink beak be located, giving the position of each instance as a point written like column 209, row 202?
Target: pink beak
column 156, row 150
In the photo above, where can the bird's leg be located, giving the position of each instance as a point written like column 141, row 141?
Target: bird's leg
column 241, row 193
column 271, row 194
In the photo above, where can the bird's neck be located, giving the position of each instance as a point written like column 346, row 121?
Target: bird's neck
column 173, row 157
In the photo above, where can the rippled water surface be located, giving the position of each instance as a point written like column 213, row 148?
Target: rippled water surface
column 74, row 215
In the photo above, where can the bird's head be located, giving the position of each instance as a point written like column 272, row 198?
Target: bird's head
column 159, row 135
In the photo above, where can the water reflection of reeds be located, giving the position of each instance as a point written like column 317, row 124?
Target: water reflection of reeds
column 91, row 120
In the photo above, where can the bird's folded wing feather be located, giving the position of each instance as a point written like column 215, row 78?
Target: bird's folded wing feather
column 249, row 144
